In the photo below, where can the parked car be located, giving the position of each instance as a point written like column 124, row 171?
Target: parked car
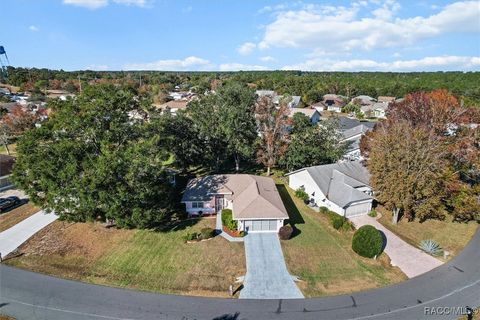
column 9, row 202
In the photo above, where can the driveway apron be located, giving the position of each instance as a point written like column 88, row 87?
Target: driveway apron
column 267, row 275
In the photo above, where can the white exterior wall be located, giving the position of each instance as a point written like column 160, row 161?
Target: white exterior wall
column 303, row 178
column 208, row 207
column 241, row 225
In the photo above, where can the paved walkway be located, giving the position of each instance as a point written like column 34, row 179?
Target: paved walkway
column 267, row 275
column 218, row 227
column 412, row 261
column 12, row 238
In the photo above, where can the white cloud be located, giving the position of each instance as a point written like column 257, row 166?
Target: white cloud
column 33, row 28
column 95, row 4
column 246, row 48
column 440, row 63
column 346, row 29
column 240, row 67
column 90, row 4
column 97, row 67
column 268, row 59
column 188, row 64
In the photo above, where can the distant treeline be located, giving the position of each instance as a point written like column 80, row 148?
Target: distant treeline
column 310, row 85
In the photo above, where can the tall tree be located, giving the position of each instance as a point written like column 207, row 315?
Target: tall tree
column 314, row 145
column 407, row 170
column 94, row 160
column 237, row 121
column 273, row 127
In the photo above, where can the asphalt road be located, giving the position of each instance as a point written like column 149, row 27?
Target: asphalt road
column 27, row 295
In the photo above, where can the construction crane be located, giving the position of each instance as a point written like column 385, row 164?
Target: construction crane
column 4, row 63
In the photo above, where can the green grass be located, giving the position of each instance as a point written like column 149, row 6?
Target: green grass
column 139, row 259
column 11, row 147
column 452, row 236
column 322, row 256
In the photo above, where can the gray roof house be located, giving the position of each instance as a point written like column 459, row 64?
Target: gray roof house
column 342, row 187
column 254, row 200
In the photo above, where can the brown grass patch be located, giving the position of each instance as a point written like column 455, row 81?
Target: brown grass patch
column 11, row 218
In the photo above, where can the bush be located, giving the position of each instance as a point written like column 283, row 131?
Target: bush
column 301, row 194
column 337, row 221
column 347, row 225
column 206, row 233
column 227, row 219
column 367, row 241
column 285, row 232
column 324, row 210
column 372, row 213
column 191, row 236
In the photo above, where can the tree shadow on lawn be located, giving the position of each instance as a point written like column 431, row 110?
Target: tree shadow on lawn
column 295, row 217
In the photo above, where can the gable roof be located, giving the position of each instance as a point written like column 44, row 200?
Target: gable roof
column 174, row 104
column 385, row 99
column 254, row 197
column 338, row 181
column 308, row 112
column 360, row 129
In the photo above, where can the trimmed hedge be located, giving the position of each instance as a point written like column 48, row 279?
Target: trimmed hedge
column 227, row 219
column 367, row 241
column 285, row 232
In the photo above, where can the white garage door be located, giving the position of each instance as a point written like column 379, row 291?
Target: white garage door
column 261, row 225
column 357, row 209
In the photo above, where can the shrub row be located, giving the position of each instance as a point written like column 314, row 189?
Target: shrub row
column 337, row 221
column 227, row 219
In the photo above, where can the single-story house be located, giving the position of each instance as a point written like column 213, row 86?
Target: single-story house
column 254, row 200
column 293, row 102
column 173, row 106
column 386, row 99
column 312, row 114
column 363, row 100
column 330, row 102
column 380, row 109
column 342, row 187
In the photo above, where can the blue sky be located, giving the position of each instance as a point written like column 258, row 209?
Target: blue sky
column 384, row 35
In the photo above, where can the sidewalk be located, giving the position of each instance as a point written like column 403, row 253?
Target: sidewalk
column 12, row 238
column 412, row 261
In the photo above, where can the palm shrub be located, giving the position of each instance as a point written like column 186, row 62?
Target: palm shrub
column 301, row 194
column 227, row 219
column 324, row 210
column 367, row 241
column 206, row 233
column 430, row 247
column 372, row 213
column 337, row 221
column 285, row 232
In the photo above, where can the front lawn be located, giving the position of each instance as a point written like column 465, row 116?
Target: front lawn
column 452, row 236
column 323, row 258
column 140, row 259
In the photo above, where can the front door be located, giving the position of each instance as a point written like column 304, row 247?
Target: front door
column 218, row 203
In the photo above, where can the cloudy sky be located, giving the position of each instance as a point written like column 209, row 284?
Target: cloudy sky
column 384, row 35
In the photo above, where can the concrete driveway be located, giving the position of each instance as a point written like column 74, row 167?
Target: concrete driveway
column 267, row 275
column 412, row 261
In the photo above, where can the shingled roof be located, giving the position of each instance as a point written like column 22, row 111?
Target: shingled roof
column 254, row 197
column 338, row 181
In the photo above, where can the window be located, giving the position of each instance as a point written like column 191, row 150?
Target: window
column 197, row 205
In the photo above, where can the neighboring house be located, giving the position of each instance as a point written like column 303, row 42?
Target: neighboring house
column 380, row 109
column 254, row 200
column 59, row 94
column 173, row 106
column 6, row 165
column 312, row 114
column 353, row 136
column 363, row 100
column 8, row 106
column 330, row 102
column 342, row 187
column 294, row 101
column 386, row 99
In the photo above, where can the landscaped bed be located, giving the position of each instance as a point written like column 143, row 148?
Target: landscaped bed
column 140, row 259
column 451, row 236
column 322, row 256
